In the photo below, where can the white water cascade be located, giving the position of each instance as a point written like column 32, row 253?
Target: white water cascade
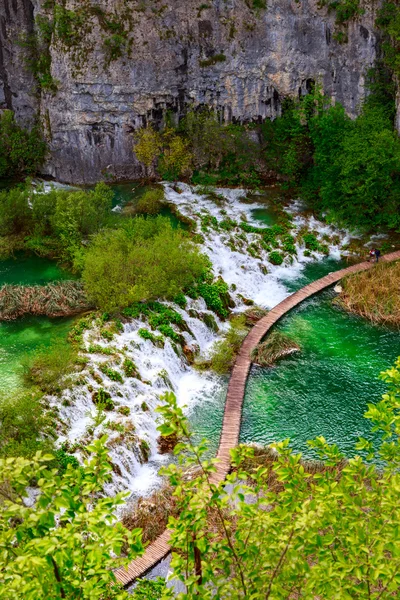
column 162, row 368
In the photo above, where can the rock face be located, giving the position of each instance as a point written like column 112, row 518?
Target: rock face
column 226, row 54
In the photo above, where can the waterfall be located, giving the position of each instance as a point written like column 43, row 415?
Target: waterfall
column 250, row 278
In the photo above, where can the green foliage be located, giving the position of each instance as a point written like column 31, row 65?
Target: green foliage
column 344, row 9
column 68, row 542
column 63, row 459
column 147, row 259
column 147, row 589
column 146, row 334
column 80, row 214
column 129, row 368
column 389, row 21
column 151, row 202
column 49, row 368
column 348, row 169
column 111, row 373
column 275, row 258
column 327, row 533
column 22, row 152
column 216, row 152
column 23, row 424
column 56, row 223
column 223, row 352
column 102, row 399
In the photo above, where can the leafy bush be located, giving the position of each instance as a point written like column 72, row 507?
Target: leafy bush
column 129, row 368
column 50, row 368
column 22, row 152
column 148, row 259
column 69, row 540
column 111, row 373
column 145, row 334
column 55, row 223
column 103, row 399
column 275, row 258
column 151, row 202
column 223, row 352
column 23, row 423
column 147, row 589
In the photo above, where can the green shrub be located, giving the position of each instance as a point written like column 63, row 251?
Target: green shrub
column 111, row 373
column 50, row 368
column 148, row 259
column 147, row 589
column 23, row 425
column 180, row 300
column 124, row 410
column 103, row 399
column 63, row 459
column 275, row 258
column 129, row 368
column 151, row 202
column 157, row 340
column 223, row 352
column 22, row 152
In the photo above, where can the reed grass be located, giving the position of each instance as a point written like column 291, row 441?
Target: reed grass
column 58, row 299
column 276, row 346
column 373, row 294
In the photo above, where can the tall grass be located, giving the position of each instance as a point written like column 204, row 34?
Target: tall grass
column 276, row 346
column 59, row 299
column 373, row 294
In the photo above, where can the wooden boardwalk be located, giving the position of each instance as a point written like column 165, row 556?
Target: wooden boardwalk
column 230, row 432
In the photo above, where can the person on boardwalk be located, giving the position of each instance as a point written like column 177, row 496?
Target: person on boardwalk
column 372, row 255
column 377, row 254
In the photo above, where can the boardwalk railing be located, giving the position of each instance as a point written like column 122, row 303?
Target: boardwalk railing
column 230, row 431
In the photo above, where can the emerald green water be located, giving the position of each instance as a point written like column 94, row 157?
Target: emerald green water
column 29, row 269
column 30, row 334
column 324, row 389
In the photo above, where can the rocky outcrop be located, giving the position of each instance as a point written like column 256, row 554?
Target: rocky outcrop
column 17, row 84
column 226, row 54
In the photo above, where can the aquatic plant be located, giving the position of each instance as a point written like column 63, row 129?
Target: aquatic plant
column 63, row 298
column 276, row 346
column 373, row 294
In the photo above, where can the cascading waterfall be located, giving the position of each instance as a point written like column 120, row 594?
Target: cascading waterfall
column 132, row 438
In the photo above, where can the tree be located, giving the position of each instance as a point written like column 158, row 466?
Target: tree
column 145, row 260
column 68, row 542
column 148, row 145
column 282, row 530
column 22, row 152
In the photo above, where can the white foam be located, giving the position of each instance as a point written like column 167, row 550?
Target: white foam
column 160, row 368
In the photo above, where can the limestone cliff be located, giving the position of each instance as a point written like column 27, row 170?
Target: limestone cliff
column 117, row 64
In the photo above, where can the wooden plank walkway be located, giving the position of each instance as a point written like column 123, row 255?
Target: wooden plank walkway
column 230, row 431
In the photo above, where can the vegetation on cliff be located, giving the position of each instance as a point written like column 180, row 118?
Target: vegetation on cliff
column 22, row 152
